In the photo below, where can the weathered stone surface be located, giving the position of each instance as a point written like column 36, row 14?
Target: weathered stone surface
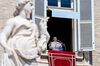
column 7, row 7
column 96, row 53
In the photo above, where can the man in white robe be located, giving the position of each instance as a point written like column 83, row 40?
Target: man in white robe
column 56, row 45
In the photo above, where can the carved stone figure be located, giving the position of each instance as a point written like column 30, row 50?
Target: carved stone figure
column 21, row 39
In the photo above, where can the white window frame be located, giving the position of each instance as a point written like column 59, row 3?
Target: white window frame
column 93, row 28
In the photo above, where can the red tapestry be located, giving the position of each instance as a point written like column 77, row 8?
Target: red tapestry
column 61, row 58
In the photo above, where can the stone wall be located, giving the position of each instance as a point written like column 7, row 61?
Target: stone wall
column 7, row 7
column 96, row 53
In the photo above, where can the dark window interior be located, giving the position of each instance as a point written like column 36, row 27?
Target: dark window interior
column 53, row 2
column 64, row 3
column 62, row 29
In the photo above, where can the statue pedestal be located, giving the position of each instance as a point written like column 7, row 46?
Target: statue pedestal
column 41, row 64
column 43, row 59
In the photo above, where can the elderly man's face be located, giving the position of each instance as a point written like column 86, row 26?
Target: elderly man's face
column 54, row 38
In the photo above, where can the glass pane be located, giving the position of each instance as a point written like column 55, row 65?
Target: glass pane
column 53, row 2
column 85, row 10
column 66, row 3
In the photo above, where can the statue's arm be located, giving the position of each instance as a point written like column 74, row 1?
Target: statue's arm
column 42, row 43
column 44, row 35
column 5, row 33
column 43, row 28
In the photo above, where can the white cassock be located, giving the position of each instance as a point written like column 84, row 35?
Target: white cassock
column 55, row 45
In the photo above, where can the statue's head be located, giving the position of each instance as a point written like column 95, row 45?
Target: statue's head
column 22, row 1
column 25, row 5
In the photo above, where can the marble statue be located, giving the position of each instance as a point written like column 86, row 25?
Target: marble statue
column 21, row 39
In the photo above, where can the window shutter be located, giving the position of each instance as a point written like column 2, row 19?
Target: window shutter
column 40, row 9
column 86, row 26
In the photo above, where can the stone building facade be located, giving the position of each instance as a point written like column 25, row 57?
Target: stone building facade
column 96, row 53
column 7, row 7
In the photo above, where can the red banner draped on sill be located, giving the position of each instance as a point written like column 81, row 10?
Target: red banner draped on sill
column 61, row 58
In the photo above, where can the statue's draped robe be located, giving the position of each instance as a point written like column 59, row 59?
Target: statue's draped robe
column 23, row 40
